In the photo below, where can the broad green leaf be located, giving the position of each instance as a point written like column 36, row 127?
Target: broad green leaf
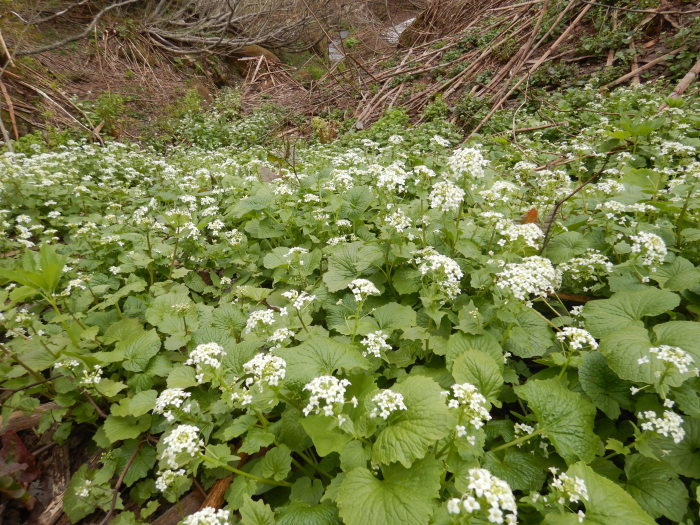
column 402, row 497
column 656, row 488
column 136, row 406
column 181, row 376
column 394, row 316
column 256, row 513
column 325, row 434
column 521, row 470
column 684, row 334
column 529, row 335
column 319, row 356
column 303, row 513
column 348, row 262
column 121, row 428
column 565, row 417
column 626, row 309
column 607, row 391
column 138, row 349
column 678, row 275
column 410, row 433
column 566, row 246
column 623, row 348
column 479, row 369
column 460, row 343
column 683, row 457
column 256, row 439
column 142, row 463
column 607, row 502
column 277, row 463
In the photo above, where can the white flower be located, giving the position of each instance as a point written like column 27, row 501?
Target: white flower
column 487, row 495
column 208, row 516
column 362, row 288
column 392, row 177
column 395, row 139
column 299, row 299
column 572, row 488
column 114, row 270
column 171, row 397
column 445, row 196
column 447, row 272
column 467, row 161
column 208, row 354
column 182, row 440
column 398, row 221
column 91, row 377
column 259, row 317
column 328, row 390
column 530, row 233
column 265, row 369
column 651, row 248
column 577, row 337
column 675, row 356
column 670, row 425
column 533, row 276
column 587, row 267
column 295, row 252
column 280, row 335
column 374, row 343
column 474, row 406
column 166, row 478
column 386, row 402
column 440, row 141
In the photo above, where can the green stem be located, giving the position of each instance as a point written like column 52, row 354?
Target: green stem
column 21, row 363
column 521, row 439
column 172, row 261
column 245, row 474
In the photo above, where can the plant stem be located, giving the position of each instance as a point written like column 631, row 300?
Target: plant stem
column 245, row 474
column 521, row 439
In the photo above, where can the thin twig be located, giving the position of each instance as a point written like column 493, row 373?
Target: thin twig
column 120, row 480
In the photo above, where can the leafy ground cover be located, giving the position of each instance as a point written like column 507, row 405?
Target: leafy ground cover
column 395, row 328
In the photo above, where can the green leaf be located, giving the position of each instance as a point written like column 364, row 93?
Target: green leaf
column 181, row 376
column 324, row 432
column 277, row 463
column 410, row 433
column 319, row 356
column 684, row 334
column 563, row 416
column 347, row 262
column 623, row 348
column 607, row 502
column 403, row 497
column 256, row 439
column 136, row 406
column 656, row 488
column 566, row 246
column 256, row 513
column 607, row 391
column 138, row 349
column 141, row 465
column 120, row 428
column 460, row 343
column 626, row 309
column 394, row 316
column 678, row 275
column 683, row 457
column 303, row 513
column 479, row 369
column 529, row 335
column 521, row 470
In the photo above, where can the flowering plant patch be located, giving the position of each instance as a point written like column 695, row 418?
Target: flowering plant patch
column 377, row 335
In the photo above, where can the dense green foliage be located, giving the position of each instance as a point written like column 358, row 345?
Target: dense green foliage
column 374, row 335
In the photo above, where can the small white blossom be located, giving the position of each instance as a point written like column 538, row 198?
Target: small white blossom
column 374, row 343
column 259, row 317
column 169, row 399
column 208, row 516
column 327, row 395
column 651, row 248
column 182, row 442
column 362, row 288
column 445, row 196
column 669, row 425
column 674, row 356
column 577, row 338
column 166, row 478
column 487, row 495
column 265, row 369
column 386, row 402
column 474, row 406
column 205, row 355
column 533, row 276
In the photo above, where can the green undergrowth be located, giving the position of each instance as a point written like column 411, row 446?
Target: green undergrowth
column 390, row 328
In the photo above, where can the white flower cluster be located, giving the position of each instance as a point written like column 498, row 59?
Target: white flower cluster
column 587, row 267
column 577, row 338
column 392, row 177
column 170, row 399
column 166, row 478
column 499, row 192
column 448, row 271
column 473, row 404
column 298, row 299
column 446, row 196
column 259, row 317
column 565, row 487
column 386, row 402
column 280, row 335
column 208, row 354
column 489, row 496
column 265, row 369
column 182, row 439
column 533, row 276
column 208, row 516
column 374, row 343
column 530, row 233
column 467, row 161
column 670, row 425
column 650, row 246
column 675, row 356
column 328, row 390
column 398, row 221
column 362, row 288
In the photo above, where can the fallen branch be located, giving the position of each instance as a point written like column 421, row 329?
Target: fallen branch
column 684, row 84
column 532, row 128
column 640, row 69
column 22, row 421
